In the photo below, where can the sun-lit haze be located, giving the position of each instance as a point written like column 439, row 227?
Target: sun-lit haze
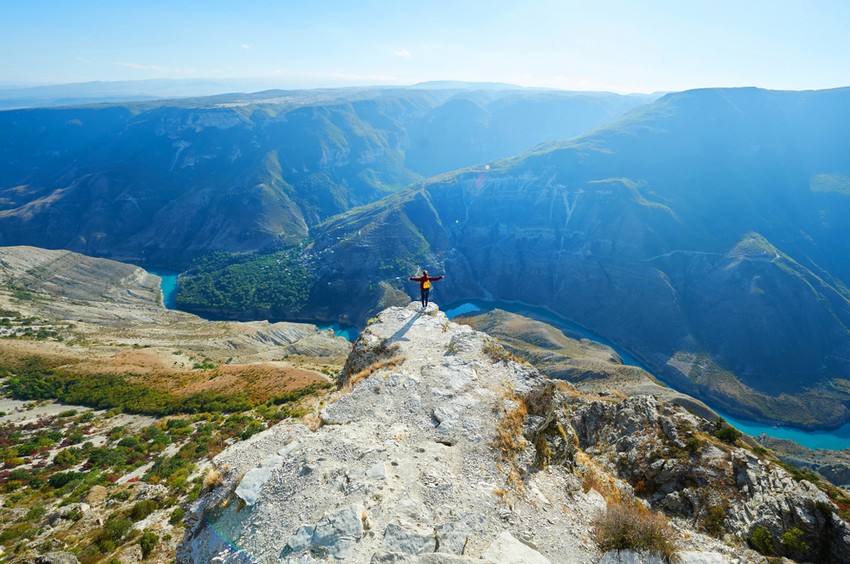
column 621, row 46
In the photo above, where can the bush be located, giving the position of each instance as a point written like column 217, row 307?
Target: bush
column 693, row 444
column 633, row 527
column 67, row 457
column 148, row 542
column 714, row 519
column 177, row 515
column 794, row 540
column 177, row 424
column 60, row 479
column 37, row 512
column 726, row 433
column 111, row 534
column 762, row 540
column 142, row 509
column 128, row 442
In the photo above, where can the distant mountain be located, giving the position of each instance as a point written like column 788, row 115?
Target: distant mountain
column 111, row 91
column 706, row 233
column 162, row 182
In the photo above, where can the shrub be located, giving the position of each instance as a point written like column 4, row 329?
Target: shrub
column 148, row 541
column 726, row 432
column 177, row 424
column 117, row 528
column 67, row 457
column 693, row 444
column 177, row 515
column 633, row 527
column 128, row 442
column 713, row 520
column 63, row 478
column 37, row 512
column 794, row 540
column 19, row 474
column 142, row 509
column 761, row 540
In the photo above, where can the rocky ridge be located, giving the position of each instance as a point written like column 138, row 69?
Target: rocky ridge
column 439, row 447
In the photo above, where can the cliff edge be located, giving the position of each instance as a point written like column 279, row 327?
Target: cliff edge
column 440, row 447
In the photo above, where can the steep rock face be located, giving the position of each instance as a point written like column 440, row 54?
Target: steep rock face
column 76, row 277
column 438, row 448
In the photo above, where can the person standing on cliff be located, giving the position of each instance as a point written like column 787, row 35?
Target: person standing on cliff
column 425, row 285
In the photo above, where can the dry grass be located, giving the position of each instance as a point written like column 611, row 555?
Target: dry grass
column 595, row 478
column 15, row 352
column 371, row 369
column 312, row 421
column 498, row 353
column 213, row 479
column 633, row 527
column 509, row 440
column 259, row 381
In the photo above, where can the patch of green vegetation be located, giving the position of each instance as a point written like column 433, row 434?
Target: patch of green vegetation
column 109, row 537
column 794, row 540
column 726, row 432
column 105, row 391
column 142, row 509
column 55, row 462
column 693, row 444
column 61, row 479
column 761, row 540
column 148, row 542
column 21, row 294
column 301, row 393
column 206, row 364
column 177, row 515
column 713, row 520
column 277, row 282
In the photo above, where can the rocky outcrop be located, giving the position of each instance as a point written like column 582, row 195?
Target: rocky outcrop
column 445, row 450
column 672, row 461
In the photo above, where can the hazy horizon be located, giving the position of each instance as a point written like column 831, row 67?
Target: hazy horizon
column 615, row 46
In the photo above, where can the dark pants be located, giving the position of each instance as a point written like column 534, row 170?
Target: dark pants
column 425, row 292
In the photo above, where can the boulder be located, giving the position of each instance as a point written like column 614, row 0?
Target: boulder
column 506, row 549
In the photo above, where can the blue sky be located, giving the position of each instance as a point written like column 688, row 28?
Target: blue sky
column 622, row 46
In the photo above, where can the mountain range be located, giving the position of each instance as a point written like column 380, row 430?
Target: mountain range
column 161, row 182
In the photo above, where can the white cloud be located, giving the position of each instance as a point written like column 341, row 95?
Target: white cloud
column 246, row 46
column 402, row 53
